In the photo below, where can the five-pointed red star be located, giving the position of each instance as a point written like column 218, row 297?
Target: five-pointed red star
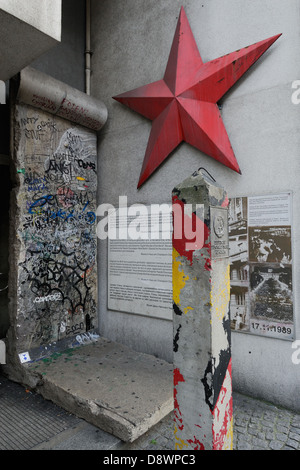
column 183, row 105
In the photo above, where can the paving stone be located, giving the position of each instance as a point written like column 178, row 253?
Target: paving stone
column 295, row 422
column 284, row 429
column 280, row 436
column 270, row 435
column 292, row 443
column 252, row 431
column 244, row 445
column 267, row 424
column 295, row 436
column 256, row 442
column 240, row 429
column 276, row 445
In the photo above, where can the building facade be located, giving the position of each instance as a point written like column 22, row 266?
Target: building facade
column 130, row 43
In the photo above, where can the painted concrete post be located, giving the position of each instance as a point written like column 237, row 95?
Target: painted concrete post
column 201, row 292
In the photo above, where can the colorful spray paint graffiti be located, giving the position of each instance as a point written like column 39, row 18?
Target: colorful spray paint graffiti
column 202, row 349
column 55, row 198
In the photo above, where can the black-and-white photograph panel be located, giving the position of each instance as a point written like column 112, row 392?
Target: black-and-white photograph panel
column 261, row 279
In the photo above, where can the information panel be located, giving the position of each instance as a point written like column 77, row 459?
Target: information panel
column 140, row 261
column 260, row 248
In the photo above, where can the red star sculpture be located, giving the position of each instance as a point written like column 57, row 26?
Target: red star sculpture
column 183, row 105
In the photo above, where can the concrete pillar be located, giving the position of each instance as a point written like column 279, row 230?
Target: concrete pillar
column 201, row 292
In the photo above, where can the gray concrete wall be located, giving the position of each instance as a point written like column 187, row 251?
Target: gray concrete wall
column 28, row 29
column 4, row 266
column 131, row 42
column 66, row 61
column 4, row 228
column 38, row 13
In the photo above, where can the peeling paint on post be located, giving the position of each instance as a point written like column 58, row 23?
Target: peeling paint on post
column 201, row 292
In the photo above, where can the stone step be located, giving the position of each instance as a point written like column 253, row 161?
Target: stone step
column 121, row 391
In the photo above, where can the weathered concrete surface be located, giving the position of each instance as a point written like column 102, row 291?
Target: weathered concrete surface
column 2, row 352
column 133, row 41
column 201, row 288
column 53, row 264
column 27, row 31
column 118, row 390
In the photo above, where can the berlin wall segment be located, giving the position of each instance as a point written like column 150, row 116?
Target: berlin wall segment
column 55, row 227
column 202, row 345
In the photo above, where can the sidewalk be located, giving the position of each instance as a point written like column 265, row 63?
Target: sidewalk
column 29, row 422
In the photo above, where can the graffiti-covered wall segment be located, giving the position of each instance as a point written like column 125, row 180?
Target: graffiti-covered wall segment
column 56, row 167
column 55, row 164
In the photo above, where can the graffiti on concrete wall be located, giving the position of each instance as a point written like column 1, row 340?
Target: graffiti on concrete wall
column 55, row 165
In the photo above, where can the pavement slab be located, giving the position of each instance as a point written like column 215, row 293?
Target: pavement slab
column 104, row 396
column 29, row 422
column 121, row 391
